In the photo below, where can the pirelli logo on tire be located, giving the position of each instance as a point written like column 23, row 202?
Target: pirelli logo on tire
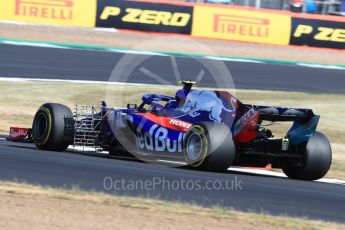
column 145, row 16
column 241, row 25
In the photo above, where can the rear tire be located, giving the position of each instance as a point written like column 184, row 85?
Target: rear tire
column 52, row 128
column 209, row 146
column 317, row 160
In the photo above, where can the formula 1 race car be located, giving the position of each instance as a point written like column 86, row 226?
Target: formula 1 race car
column 207, row 130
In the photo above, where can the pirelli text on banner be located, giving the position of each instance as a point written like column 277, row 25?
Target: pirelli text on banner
column 241, row 25
column 318, row 33
column 62, row 12
column 144, row 16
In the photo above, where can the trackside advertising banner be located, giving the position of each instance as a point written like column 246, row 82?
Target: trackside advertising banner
column 241, row 25
column 318, row 33
column 60, row 12
column 200, row 20
column 144, row 16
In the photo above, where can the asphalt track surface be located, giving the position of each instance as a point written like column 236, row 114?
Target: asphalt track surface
column 276, row 196
column 50, row 63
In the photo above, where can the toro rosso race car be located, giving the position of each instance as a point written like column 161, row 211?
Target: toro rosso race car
column 207, row 130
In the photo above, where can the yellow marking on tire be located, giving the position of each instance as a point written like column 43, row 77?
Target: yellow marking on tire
column 47, row 111
column 205, row 144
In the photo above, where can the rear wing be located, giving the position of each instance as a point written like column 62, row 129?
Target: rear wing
column 304, row 121
column 271, row 113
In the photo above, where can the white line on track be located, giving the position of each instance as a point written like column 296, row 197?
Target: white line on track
column 310, row 65
column 140, row 52
column 40, row 45
column 16, row 79
column 233, row 59
column 277, row 174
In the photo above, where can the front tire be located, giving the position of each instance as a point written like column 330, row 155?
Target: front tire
column 317, row 159
column 209, row 146
column 52, row 128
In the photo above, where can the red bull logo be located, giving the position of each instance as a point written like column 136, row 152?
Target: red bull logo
column 157, row 139
column 204, row 101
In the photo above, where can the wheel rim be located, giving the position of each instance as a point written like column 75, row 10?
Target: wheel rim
column 41, row 125
column 194, row 147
